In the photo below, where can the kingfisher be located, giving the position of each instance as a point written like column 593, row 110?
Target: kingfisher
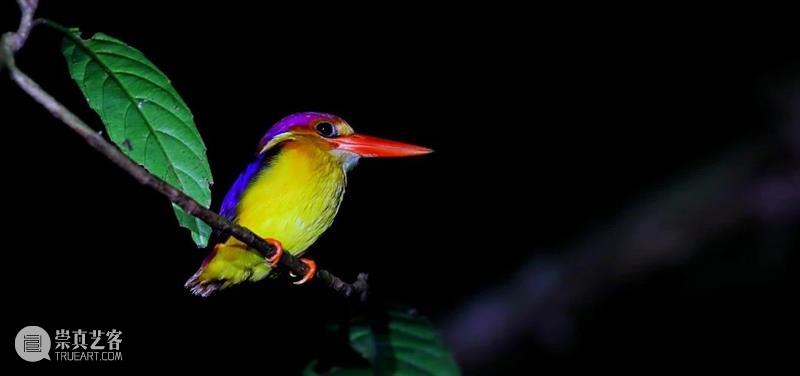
column 289, row 195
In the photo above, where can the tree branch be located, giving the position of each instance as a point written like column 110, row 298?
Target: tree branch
column 27, row 8
column 12, row 42
column 744, row 190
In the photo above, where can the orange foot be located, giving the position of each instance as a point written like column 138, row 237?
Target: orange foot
column 273, row 261
column 312, row 270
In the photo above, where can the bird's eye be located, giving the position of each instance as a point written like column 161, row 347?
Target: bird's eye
column 326, row 129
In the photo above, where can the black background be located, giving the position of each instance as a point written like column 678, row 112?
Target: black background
column 545, row 123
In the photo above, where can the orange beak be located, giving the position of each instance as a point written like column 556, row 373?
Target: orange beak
column 368, row 146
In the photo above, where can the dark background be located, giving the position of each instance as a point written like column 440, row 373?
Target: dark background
column 547, row 125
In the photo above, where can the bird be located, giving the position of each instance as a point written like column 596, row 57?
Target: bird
column 289, row 195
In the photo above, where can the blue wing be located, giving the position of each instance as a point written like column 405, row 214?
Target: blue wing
column 231, row 201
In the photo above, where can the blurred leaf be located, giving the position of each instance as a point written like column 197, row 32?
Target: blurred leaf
column 407, row 344
column 144, row 116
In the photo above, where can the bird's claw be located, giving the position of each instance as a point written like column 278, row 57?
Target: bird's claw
column 312, row 270
column 273, row 261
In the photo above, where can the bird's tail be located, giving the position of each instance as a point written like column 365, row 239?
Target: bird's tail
column 201, row 287
column 227, row 265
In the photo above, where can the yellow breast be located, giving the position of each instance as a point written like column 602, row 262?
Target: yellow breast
column 295, row 199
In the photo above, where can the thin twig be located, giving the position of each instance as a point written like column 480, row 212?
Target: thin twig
column 12, row 42
column 27, row 8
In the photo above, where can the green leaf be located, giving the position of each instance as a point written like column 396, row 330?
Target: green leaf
column 408, row 344
column 144, row 116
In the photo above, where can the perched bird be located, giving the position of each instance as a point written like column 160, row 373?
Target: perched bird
column 289, row 195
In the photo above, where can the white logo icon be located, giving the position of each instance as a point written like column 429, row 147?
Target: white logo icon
column 33, row 344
